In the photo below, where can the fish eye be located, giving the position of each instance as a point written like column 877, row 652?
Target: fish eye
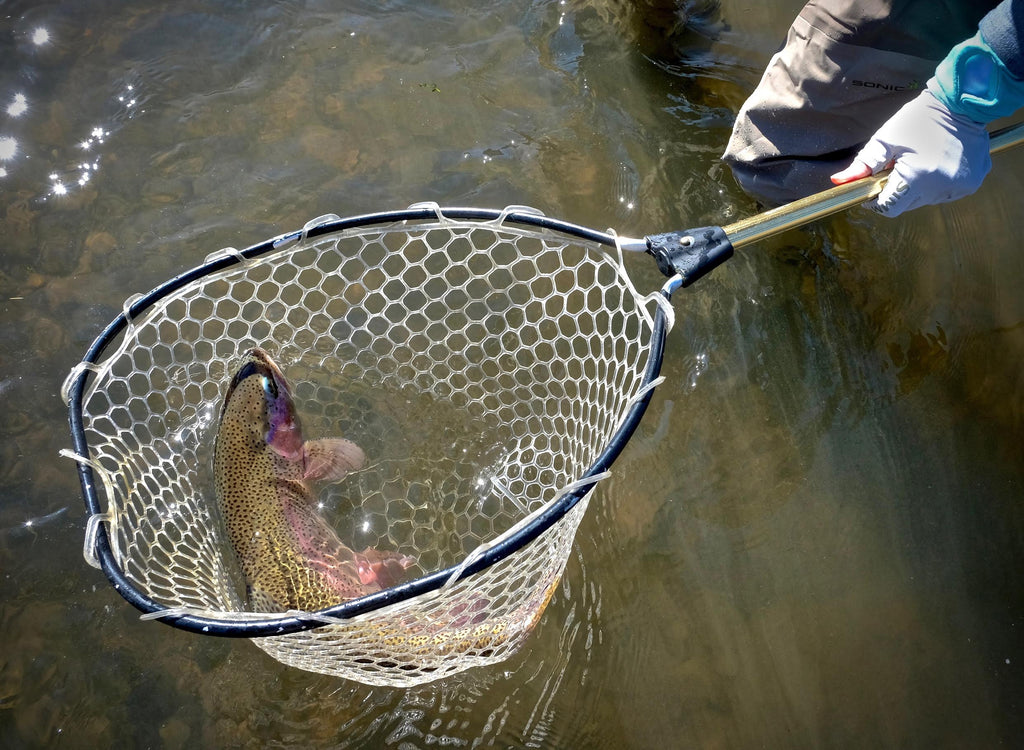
column 269, row 387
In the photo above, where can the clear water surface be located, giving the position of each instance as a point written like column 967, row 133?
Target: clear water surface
column 815, row 540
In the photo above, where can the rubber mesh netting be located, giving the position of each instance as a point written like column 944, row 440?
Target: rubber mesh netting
column 482, row 367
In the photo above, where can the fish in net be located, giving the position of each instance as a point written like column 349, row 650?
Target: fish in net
column 489, row 367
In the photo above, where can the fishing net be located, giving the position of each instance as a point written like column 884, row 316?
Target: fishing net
column 490, row 364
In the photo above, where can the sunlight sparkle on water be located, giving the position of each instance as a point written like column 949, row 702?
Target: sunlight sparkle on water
column 127, row 100
column 40, row 36
column 8, row 148
column 18, row 106
column 96, row 136
column 59, row 188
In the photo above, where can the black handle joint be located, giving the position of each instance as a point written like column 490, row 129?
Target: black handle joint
column 691, row 254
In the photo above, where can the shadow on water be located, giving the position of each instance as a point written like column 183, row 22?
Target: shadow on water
column 816, row 536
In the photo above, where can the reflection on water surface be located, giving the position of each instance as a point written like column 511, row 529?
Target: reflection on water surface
column 820, row 544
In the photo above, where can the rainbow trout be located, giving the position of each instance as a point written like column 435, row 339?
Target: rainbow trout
column 290, row 557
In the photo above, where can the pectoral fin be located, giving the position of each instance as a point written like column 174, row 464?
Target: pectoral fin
column 383, row 568
column 330, row 459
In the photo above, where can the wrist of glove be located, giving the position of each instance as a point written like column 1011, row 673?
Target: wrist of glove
column 973, row 82
column 936, row 144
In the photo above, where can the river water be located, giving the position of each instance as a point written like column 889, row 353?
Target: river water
column 816, row 538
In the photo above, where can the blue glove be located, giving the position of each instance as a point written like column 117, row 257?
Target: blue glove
column 937, row 144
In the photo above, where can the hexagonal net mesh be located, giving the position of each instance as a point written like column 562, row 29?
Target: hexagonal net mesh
column 481, row 366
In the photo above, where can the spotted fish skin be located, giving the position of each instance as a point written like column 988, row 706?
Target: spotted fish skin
column 290, row 557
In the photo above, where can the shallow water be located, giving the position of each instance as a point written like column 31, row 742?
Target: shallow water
column 816, row 537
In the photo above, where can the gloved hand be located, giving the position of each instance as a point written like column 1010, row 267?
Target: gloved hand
column 936, row 156
column 937, row 143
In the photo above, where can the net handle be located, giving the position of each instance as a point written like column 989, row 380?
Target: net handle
column 831, row 201
column 693, row 253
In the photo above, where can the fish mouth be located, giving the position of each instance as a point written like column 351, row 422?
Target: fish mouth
column 256, row 361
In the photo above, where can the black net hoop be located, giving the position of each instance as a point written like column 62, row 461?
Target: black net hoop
column 527, row 327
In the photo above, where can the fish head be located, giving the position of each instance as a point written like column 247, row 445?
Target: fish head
column 260, row 394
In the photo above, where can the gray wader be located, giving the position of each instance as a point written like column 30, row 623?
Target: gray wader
column 845, row 68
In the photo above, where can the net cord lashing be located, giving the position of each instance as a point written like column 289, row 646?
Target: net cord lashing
column 227, row 252
column 318, row 617
column 92, row 531
column 636, row 397
column 508, row 210
column 639, row 396
column 430, row 206
column 93, row 522
column 666, row 308
column 312, row 224
column 182, row 612
column 126, row 311
column 83, row 366
column 169, row 612
column 620, row 269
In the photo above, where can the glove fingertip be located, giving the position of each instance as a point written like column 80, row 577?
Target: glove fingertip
column 856, row 171
column 875, row 155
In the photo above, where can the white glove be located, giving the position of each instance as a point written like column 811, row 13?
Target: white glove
column 936, row 156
